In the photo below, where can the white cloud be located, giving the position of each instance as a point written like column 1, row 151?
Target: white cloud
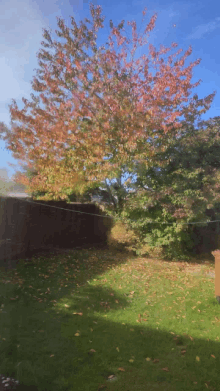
column 11, row 86
column 205, row 28
column 21, row 33
column 21, row 26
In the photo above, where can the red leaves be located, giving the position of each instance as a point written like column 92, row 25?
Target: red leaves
column 113, row 92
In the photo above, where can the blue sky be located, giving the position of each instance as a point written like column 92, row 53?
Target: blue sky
column 186, row 23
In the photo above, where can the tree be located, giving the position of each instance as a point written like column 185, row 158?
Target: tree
column 4, row 130
column 180, row 188
column 123, row 102
column 29, row 172
column 108, row 193
column 7, row 185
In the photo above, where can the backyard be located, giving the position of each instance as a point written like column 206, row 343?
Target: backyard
column 96, row 319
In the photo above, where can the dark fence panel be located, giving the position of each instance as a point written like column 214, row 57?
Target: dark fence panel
column 207, row 239
column 26, row 227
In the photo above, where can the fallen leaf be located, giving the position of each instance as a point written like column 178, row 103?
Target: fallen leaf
column 111, row 376
column 165, row 369
column 197, row 358
column 148, row 359
column 156, row 360
column 178, row 341
column 212, row 355
column 78, row 313
column 66, row 305
column 92, row 350
column 52, row 355
column 131, row 360
column 111, row 294
column 77, row 335
column 117, row 301
column 121, row 369
column 117, row 349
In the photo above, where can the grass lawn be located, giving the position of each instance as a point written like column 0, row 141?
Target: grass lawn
column 101, row 320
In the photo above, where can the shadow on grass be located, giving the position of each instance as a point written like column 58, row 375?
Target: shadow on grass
column 55, row 348
column 100, row 246
column 48, row 346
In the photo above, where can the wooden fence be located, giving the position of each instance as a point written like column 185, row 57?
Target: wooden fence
column 27, row 227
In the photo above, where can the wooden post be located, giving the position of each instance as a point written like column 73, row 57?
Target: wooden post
column 218, row 234
column 216, row 254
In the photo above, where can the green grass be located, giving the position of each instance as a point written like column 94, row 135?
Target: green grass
column 152, row 325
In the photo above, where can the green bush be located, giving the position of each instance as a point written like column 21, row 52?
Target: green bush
column 142, row 232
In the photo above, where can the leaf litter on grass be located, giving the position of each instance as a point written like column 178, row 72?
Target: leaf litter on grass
column 137, row 278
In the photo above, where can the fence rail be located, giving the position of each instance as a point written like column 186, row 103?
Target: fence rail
column 27, row 227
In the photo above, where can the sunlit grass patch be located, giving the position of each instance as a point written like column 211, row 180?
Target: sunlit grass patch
column 98, row 318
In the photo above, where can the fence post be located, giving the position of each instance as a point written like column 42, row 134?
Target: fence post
column 216, row 254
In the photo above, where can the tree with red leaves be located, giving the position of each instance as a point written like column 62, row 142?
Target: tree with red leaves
column 95, row 103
